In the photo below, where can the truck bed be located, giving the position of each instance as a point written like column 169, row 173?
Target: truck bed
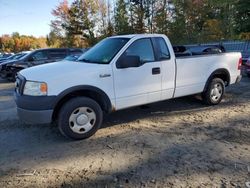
column 191, row 77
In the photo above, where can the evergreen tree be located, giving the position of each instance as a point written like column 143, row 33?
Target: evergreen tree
column 121, row 18
column 242, row 17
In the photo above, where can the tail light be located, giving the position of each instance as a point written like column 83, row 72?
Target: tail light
column 239, row 63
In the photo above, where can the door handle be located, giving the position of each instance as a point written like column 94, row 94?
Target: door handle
column 156, row 70
column 104, row 75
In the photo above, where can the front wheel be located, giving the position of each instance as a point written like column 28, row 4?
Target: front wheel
column 80, row 118
column 214, row 92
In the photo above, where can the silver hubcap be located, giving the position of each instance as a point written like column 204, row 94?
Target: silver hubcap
column 216, row 92
column 82, row 120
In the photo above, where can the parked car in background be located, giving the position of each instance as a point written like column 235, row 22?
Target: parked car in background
column 200, row 50
column 248, row 67
column 5, row 56
column 183, row 50
column 36, row 57
column 9, row 60
column 15, row 56
column 74, row 57
column 245, row 56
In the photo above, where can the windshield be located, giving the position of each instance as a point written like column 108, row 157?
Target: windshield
column 18, row 56
column 25, row 55
column 104, row 51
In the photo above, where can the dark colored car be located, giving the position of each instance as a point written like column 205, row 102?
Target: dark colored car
column 5, row 56
column 36, row 57
column 248, row 67
column 245, row 55
column 198, row 50
column 181, row 51
column 74, row 57
column 211, row 49
column 14, row 57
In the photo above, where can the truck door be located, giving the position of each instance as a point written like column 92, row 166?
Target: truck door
column 38, row 58
column 142, row 84
column 168, row 66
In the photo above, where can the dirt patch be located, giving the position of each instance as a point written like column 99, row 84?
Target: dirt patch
column 175, row 143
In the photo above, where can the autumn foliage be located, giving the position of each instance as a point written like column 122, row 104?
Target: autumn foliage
column 83, row 22
column 17, row 43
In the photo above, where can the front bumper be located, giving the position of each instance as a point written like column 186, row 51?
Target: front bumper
column 35, row 110
column 35, row 117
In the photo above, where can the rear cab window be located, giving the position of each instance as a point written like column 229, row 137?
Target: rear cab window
column 161, row 49
column 142, row 48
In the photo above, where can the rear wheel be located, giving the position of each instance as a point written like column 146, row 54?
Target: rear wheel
column 80, row 118
column 214, row 92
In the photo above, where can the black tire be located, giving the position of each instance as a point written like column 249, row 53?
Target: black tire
column 208, row 97
column 69, row 109
column 12, row 78
column 248, row 74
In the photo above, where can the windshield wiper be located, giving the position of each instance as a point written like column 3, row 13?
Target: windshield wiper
column 88, row 61
column 85, row 60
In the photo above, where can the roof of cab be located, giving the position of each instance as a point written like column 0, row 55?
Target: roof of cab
column 137, row 35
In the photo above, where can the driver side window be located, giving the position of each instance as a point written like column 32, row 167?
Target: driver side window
column 40, row 56
column 143, row 49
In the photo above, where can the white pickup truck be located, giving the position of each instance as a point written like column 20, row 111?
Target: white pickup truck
column 117, row 73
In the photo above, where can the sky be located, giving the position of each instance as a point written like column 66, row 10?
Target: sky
column 28, row 17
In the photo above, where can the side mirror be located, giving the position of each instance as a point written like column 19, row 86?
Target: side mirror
column 127, row 61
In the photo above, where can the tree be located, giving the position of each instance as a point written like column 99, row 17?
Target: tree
column 61, row 21
column 121, row 18
column 138, row 9
column 17, row 43
column 84, row 22
column 242, row 17
column 162, row 17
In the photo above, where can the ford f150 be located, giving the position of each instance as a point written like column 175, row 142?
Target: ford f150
column 117, row 73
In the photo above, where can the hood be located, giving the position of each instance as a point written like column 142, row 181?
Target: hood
column 61, row 70
column 8, row 62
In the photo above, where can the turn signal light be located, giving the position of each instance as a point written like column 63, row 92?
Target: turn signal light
column 43, row 88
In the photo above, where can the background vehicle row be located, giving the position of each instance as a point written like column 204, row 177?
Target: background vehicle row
column 9, row 68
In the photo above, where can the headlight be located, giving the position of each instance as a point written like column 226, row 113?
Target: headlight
column 35, row 88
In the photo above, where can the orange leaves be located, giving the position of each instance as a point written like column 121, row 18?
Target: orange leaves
column 16, row 43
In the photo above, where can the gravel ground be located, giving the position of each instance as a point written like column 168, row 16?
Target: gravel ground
column 175, row 143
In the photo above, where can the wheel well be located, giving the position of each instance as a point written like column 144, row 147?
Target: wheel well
column 224, row 75
column 99, row 98
column 220, row 73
